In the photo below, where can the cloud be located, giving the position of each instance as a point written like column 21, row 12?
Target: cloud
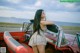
column 53, row 16
column 14, row 1
column 17, row 14
column 38, row 3
column 69, row 12
column 56, row 5
column 73, row 17
column 48, row 5
column 30, row 8
column 70, row 6
column 35, row 6
column 6, row 8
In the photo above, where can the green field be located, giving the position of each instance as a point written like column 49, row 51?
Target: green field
column 71, row 29
column 3, row 24
column 16, row 27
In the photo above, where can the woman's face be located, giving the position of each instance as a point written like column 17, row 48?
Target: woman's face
column 43, row 15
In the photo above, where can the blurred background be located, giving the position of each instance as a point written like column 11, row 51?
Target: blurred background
column 14, row 12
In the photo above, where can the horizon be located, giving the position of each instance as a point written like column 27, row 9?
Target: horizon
column 20, row 21
column 54, row 10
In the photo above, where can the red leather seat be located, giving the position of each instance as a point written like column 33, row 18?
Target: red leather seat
column 13, row 44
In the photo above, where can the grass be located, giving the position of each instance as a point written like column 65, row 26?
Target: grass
column 66, row 29
column 71, row 27
column 3, row 24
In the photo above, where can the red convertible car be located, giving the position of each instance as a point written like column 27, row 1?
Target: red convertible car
column 58, row 42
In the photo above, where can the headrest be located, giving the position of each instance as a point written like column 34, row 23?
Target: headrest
column 53, row 28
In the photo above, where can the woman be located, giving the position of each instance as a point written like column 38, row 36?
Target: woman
column 38, row 40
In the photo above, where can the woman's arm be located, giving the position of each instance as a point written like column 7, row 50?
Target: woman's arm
column 47, row 22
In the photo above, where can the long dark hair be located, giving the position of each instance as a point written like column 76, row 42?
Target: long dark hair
column 37, row 19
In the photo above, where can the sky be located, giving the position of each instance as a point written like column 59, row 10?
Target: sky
column 54, row 9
